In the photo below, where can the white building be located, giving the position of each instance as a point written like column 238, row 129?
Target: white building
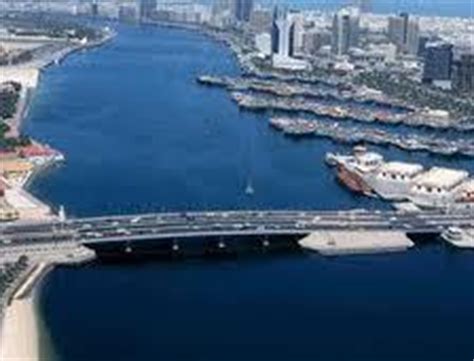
column 345, row 30
column 263, row 43
column 434, row 189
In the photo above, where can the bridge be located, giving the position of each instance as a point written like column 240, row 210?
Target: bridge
column 128, row 232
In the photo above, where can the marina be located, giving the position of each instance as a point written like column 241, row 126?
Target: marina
column 349, row 134
column 295, row 288
column 343, row 93
column 420, row 118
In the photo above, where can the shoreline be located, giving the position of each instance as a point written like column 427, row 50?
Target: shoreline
column 38, row 66
column 19, row 326
column 22, row 332
column 29, row 75
column 21, row 336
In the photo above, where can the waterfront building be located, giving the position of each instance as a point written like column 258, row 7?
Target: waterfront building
column 275, row 31
column 261, row 20
column 282, row 29
column 436, row 188
column 422, row 41
column 283, row 42
column 296, row 35
column 314, row 40
column 263, row 43
column 94, row 8
column 220, row 7
column 438, row 63
column 463, row 73
column 345, row 30
column 147, row 8
column 368, row 173
column 128, row 13
column 403, row 31
column 374, row 54
column 243, row 10
column 14, row 169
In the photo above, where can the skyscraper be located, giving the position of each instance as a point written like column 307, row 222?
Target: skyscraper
column 243, row 9
column 283, row 29
column 94, row 8
column 403, row 31
column 222, row 6
column 438, row 62
column 147, row 8
column 463, row 76
column 275, row 32
column 345, row 30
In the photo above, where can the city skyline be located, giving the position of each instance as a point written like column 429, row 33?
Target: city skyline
column 180, row 181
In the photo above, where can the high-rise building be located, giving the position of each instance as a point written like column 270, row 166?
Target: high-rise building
column 261, row 20
column 463, row 74
column 283, row 32
column 128, row 13
column 243, row 10
column 94, row 8
column 283, row 42
column 345, row 30
column 147, row 8
column 438, row 62
column 403, row 31
column 422, row 41
column 297, row 32
column 222, row 6
column 314, row 40
column 275, row 32
column 365, row 6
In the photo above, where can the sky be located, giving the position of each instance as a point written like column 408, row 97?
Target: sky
column 464, row 8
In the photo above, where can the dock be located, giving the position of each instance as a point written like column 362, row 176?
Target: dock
column 334, row 243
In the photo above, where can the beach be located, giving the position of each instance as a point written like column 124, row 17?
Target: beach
column 19, row 340
column 19, row 332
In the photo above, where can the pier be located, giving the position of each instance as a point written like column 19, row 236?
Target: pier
column 335, row 243
column 349, row 134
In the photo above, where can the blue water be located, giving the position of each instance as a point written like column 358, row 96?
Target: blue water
column 140, row 135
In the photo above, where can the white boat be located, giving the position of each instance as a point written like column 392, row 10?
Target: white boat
column 437, row 188
column 249, row 190
column 458, row 237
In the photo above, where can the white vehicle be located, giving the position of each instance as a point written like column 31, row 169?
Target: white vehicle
column 136, row 220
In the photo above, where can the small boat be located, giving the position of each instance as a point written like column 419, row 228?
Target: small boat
column 249, row 190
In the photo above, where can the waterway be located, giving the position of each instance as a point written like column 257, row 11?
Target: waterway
column 141, row 135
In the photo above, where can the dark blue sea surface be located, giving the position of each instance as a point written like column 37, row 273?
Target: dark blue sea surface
column 416, row 306
column 140, row 134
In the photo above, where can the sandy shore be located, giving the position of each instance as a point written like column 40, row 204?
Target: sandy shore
column 20, row 336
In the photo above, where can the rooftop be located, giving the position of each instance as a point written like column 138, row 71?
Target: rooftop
column 401, row 168
column 15, row 165
column 467, row 186
column 441, row 178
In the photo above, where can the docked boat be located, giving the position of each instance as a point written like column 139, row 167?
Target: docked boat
column 458, row 237
column 437, row 188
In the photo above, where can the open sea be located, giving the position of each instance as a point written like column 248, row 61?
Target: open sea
column 141, row 135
